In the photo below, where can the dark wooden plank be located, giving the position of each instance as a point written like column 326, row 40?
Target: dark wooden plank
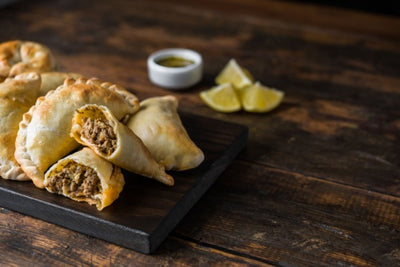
column 295, row 220
column 25, row 241
column 305, row 14
column 146, row 211
column 332, row 141
column 298, row 61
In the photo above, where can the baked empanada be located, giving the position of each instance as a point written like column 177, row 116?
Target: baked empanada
column 96, row 127
column 23, row 56
column 43, row 136
column 17, row 95
column 52, row 80
column 158, row 125
column 84, row 176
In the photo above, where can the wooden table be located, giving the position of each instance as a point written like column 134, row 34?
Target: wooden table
column 319, row 180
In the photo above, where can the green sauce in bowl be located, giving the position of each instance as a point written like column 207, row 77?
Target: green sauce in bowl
column 174, row 62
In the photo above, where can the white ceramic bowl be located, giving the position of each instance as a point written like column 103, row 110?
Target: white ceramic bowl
column 175, row 78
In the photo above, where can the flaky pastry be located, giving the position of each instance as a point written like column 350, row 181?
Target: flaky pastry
column 53, row 79
column 24, row 56
column 85, row 177
column 96, row 127
column 17, row 95
column 43, row 136
column 158, row 125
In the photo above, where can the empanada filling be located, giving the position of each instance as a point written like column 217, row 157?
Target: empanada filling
column 76, row 181
column 100, row 133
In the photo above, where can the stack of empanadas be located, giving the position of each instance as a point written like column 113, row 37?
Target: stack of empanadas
column 72, row 135
column 43, row 136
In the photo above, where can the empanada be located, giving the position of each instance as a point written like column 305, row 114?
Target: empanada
column 158, row 125
column 23, row 56
column 43, row 136
column 17, row 95
column 96, row 127
column 84, row 176
column 52, row 80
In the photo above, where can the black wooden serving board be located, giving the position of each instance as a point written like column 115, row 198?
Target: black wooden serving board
column 146, row 211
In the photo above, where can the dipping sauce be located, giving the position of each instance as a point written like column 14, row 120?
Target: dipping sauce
column 174, row 62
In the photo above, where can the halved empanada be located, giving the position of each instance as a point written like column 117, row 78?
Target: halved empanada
column 43, row 136
column 85, row 176
column 96, row 127
column 17, row 95
column 158, row 125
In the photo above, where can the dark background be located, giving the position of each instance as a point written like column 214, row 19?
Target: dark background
column 378, row 7
column 388, row 7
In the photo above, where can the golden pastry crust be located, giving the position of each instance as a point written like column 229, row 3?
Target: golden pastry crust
column 158, row 125
column 52, row 80
column 43, row 136
column 17, row 95
column 85, row 177
column 24, row 56
column 96, row 127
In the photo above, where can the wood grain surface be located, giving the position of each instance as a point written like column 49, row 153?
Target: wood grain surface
column 318, row 183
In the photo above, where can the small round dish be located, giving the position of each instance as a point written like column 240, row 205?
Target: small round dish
column 175, row 68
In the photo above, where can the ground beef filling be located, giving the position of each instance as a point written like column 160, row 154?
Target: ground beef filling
column 101, row 134
column 76, row 181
